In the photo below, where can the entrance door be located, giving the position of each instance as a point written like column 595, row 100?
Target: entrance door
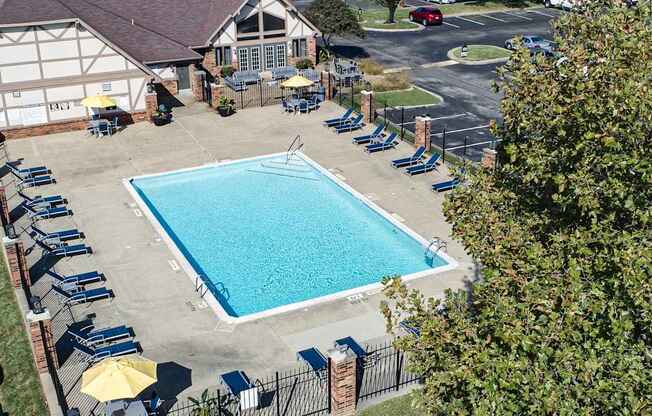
column 183, row 74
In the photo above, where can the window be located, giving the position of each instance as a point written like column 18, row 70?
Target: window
column 106, row 87
column 249, row 25
column 280, row 54
column 299, row 48
column 243, row 59
column 223, row 56
column 272, row 23
column 255, row 58
column 269, row 56
column 15, row 94
column 227, row 55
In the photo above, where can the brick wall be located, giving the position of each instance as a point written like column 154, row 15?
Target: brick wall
column 43, row 342
column 343, row 383
column 209, row 64
column 65, row 126
column 171, row 85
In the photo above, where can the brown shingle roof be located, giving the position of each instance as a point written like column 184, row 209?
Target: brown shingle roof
column 148, row 30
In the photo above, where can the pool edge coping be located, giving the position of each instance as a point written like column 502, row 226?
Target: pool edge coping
column 210, row 298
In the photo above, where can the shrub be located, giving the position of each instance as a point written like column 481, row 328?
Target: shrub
column 304, row 64
column 371, row 67
column 227, row 71
column 391, row 82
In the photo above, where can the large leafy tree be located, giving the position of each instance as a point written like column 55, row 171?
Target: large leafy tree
column 334, row 17
column 391, row 6
column 561, row 321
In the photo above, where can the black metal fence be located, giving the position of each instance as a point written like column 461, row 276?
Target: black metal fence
column 303, row 392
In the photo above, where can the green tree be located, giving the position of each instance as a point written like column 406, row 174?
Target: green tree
column 334, row 17
column 561, row 321
column 391, row 5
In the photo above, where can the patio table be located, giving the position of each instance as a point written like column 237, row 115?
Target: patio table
column 125, row 408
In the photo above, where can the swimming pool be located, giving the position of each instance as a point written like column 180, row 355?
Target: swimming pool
column 269, row 234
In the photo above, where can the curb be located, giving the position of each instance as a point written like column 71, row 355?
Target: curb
column 418, row 28
column 472, row 63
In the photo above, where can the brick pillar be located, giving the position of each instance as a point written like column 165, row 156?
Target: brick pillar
column 312, row 49
column 343, row 382
column 4, row 207
column 422, row 132
column 197, row 82
column 488, row 158
column 367, row 106
column 18, row 269
column 151, row 104
column 43, row 343
column 217, row 90
column 326, row 81
column 172, row 85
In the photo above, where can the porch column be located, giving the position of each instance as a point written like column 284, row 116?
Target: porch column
column 198, row 78
column 217, row 90
column 151, row 104
column 488, row 158
column 422, row 132
column 343, row 382
column 367, row 106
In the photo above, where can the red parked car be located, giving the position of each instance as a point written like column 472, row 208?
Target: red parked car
column 426, row 16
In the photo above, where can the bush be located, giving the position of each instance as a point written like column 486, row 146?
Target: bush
column 371, row 67
column 391, row 82
column 227, row 71
column 304, row 64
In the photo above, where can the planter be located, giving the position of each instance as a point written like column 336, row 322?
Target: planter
column 225, row 111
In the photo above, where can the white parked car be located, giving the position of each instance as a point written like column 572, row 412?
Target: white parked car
column 442, row 1
column 563, row 4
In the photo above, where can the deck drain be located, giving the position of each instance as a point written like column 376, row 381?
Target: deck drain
column 174, row 265
column 138, row 212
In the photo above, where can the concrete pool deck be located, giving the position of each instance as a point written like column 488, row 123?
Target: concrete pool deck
column 168, row 317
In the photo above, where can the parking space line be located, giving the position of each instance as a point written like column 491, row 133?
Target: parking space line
column 469, row 20
column 493, row 18
column 541, row 13
column 461, row 130
column 474, row 144
column 450, row 24
column 436, row 118
column 517, row 15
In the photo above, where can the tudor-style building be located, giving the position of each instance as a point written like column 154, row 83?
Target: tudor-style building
column 53, row 53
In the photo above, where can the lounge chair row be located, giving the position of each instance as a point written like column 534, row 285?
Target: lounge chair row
column 95, row 344
column 346, row 122
column 30, row 177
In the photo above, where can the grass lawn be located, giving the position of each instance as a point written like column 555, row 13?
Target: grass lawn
column 411, row 97
column 20, row 391
column 373, row 15
column 380, row 24
column 482, row 52
column 400, row 406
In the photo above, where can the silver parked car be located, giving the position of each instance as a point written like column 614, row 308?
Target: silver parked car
column 530, row 42
column 442, row 1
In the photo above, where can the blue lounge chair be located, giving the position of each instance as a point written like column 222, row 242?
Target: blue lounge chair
column 409, row 161
column 389, row 143
column 377, row 134
column 64, row 250
column 445, row 186
column 336, row 121
column 42, row 201
column 27, row 172
column 241, row 388
column 93, row 355
column 350, row 125
column 431, row 164
column 57, row 236
column 32, row 181
column 410, row 328
column 351, row 344
column 315, row 360
column 46, row 213
column 78, row 295
column 90, row 336
column 303, row 106
column 77, row 279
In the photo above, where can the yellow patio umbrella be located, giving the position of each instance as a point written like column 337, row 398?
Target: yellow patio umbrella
column 296, row 81
column 98, row 101
column 118, row 378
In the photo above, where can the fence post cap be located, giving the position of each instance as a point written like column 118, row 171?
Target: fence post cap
column 338, row 355
column 365, row 92
column 422, row 118
column 31, row 316
column 8, row 241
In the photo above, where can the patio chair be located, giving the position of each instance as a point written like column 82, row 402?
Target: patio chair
column 389, row 143
column 42, row 201
column 241, row 388
column 104, row 128
column 90, row 336
column 114, row 124
column 350, row 125
column 445, row 186
column 313, row 103
column 409, row 327
column 27, row 172
column 32, row 181
column 94, row 355
column 335, row 121
column 78, row 295
column 409, row 161
column 57, row 236
column 431, row 164
column 80, row 279
column 314, row 359
column 153, row 404
column 46, row 213
column 64, row 250
column 375, row 135
column 303, row 106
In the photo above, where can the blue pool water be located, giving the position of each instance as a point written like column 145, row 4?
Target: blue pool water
column 267, row 234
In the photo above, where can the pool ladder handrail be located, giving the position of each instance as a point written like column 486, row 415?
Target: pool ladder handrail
column 292, row 150
column 438, row 244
